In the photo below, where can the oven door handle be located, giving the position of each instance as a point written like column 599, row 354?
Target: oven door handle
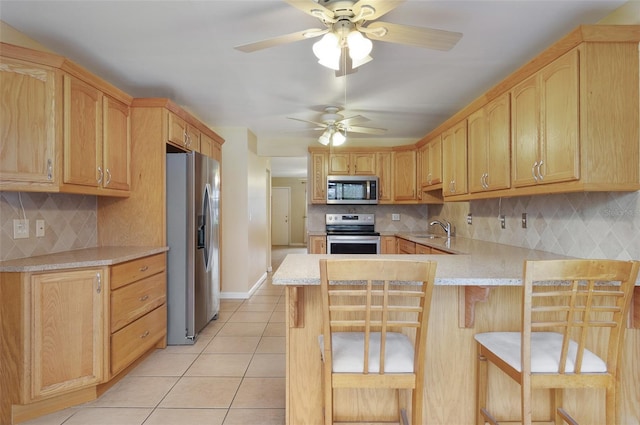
column 352, row 238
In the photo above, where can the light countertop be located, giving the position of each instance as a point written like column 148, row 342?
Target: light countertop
column 87, row 257
column 477, row 263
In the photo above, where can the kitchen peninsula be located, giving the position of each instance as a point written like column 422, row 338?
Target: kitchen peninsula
column 476, row 291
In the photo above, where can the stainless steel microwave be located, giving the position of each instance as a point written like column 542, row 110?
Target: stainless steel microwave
column 350, row 190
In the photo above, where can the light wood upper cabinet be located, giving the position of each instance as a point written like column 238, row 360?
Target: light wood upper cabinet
column 430, row 163
column 207, row 145
column 67, row 130
column 28, row 114
column 67, row 330
column 82, row 134
column 116, row 150
column 352, row 163
column 96, row 140
column 319, row 161
column 385, row 177
column 489, row 138
column 183, row 134
column 545, row 124
column 404, row 175
column 454, row 160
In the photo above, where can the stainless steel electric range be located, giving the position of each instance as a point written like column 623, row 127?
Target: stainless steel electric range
column 352, row 234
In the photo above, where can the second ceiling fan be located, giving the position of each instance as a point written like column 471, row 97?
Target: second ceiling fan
column 336, row 126
column 350, row 26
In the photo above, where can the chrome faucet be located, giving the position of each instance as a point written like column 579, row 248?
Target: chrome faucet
column 446, row 227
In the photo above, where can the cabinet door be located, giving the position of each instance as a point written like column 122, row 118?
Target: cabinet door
column 384, row 173
column 498, row 142
column 488, row 134
column 404, row 182
column 388, row 244
column 116, row 154
column 454, row 160
column 363, row 164
column 82, row 133
column 478, row 155
column 28, row 122
column 319, row 177
column 559, row 114
column 317, row 245
column 525, row 132
column 435, row 161
column 339, row 164
column 206, row 145
column 67, row 330
column 193, row 138
column 177, row 130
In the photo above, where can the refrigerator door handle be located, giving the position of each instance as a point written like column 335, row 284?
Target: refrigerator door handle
column 206, row 230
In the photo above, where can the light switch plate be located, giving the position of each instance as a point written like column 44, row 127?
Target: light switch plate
column 20, row 229
column 395, row 217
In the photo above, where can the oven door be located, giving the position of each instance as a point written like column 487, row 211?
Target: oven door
column 353, row 244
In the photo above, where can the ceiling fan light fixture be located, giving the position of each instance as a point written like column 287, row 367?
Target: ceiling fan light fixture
column 338, row 138
column 356, row 63
column 327, row 50
column 325, row 138
column 359, row 45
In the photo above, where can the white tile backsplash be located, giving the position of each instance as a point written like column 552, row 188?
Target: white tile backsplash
column 588, row 225
column 70, row 223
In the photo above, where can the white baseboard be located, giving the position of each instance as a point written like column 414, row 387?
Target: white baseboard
column 243, row 295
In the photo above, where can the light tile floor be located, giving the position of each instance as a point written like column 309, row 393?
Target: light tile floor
column 233, row 375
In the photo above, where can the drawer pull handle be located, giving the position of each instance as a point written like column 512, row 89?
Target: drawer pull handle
column 144, row 335
column 143, row 298
column 144, row 268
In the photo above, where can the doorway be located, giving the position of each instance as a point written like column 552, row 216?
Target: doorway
column 280, row 215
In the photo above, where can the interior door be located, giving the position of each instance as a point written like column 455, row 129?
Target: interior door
column 280, row 215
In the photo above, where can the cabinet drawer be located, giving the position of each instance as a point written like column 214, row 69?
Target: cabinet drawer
column 406, row 247
column 133, row 340
column 422, row 249
column 135, row 300
column 122, row 274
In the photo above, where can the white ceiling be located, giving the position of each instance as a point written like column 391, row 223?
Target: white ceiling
column 183, row 50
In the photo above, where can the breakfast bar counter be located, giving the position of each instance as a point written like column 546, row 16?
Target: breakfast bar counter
column 476, row 291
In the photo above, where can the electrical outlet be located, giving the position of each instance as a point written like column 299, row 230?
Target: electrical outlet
column 469, row 219
column 395, row 217
column 524, row 220
column 39, row 228
column 20, row 229
column 503, row 224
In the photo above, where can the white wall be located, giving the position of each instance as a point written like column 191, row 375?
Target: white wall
column 244, row 214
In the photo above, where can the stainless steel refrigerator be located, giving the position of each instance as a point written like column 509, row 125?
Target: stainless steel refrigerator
column 193, row 260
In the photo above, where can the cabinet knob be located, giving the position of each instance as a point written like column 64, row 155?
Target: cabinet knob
column 143, row 298
column 144, row 268
column 108, row 178
column 145, row 334
column 99, row 282
column 100, row 174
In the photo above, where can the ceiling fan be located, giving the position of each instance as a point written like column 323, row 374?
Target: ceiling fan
column 349, row 27
column 336, row 126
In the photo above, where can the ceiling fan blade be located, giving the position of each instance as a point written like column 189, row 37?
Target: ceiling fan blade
column 381, row 7
column 312, row 8
column 429, row 38
column 283, row 39
column 365, row 130
column 356, row 119
column 320, row 124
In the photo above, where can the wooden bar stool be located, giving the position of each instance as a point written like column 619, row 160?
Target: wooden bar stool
column 560, row 316
column 375, row 315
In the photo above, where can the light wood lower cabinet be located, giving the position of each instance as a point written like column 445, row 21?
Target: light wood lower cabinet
column 388, row 245
column 65, row 332
column 138, row 313
column 53, row 330
column 317, row 245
